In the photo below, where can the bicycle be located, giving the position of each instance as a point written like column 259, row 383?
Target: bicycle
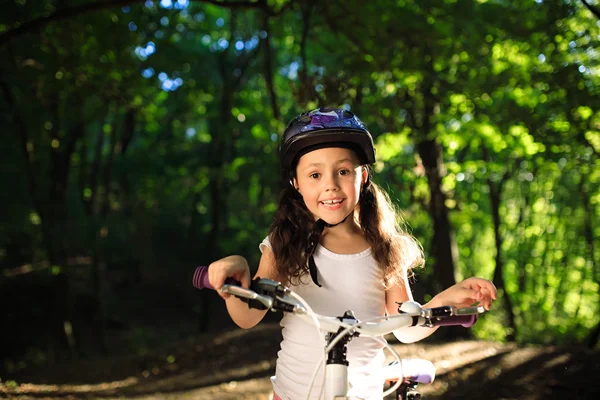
column 267, row 294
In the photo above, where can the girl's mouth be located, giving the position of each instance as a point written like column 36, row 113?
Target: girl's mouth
column 332, row 204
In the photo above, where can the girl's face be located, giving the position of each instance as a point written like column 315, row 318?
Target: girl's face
column 329, row 181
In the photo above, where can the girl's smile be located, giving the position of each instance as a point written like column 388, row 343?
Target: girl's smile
column 332, row 204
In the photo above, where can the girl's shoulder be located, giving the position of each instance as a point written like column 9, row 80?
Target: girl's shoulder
column 266, row 243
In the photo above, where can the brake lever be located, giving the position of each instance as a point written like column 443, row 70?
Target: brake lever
column 263, row 293
column 268, row 286
column 277, row 292
column 254, row 300
column 449, row 311
column 450, row 316
column 469, row 310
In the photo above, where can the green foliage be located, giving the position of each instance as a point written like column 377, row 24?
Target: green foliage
column 146, row 137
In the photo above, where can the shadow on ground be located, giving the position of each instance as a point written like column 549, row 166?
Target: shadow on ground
column 236, row 365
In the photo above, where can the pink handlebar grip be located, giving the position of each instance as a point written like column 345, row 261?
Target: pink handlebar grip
column 200, row 279
column 466, row 321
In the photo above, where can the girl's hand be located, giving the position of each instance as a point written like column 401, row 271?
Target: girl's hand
column 235, row 267
column 467, row 293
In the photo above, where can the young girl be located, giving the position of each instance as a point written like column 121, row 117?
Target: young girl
column 336, row 242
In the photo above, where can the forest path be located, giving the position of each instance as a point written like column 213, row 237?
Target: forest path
column 237, row 364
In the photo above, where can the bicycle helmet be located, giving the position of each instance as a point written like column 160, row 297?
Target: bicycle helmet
column 325, row 127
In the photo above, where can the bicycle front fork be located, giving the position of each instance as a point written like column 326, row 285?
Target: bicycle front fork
column 408, row 391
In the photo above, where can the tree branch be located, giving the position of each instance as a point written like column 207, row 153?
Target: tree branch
column 348, row 34
column 66, row 13
column 249, row 4
column 594, row 10
column 37, row 24
column 41, row 265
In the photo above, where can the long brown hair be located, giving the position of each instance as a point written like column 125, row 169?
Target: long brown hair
column 294, row 233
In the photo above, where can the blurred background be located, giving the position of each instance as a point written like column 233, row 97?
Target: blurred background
column 141, row 138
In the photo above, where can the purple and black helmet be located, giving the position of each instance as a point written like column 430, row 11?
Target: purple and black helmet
column 325, row 127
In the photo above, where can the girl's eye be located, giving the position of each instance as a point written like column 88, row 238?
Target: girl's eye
column 344, row 172
column 315, row 175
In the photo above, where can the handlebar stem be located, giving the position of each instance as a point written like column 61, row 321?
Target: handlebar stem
column 337, row 355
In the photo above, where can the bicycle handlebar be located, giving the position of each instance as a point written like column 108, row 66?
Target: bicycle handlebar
column 268, row 294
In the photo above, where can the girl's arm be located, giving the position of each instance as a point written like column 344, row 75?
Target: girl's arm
column 466, row 293
column 463, row 294
column 237, row 267
column 399, row 294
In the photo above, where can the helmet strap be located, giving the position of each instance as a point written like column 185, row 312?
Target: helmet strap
column 312, row 266
column 322, row 224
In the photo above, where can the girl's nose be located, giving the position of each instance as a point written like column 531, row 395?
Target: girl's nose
column 331, row 183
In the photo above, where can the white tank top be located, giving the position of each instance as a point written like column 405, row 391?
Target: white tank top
column 350, row 282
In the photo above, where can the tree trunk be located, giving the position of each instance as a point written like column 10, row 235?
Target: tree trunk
column 594, row 336
column 443, row 246
column 99, row 280
column 50, row 205
column 588, row 225
column 224, row 134
column 268, row 74
column 498, row 278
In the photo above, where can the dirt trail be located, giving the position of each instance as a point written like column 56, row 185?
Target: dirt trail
column 202, row 369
